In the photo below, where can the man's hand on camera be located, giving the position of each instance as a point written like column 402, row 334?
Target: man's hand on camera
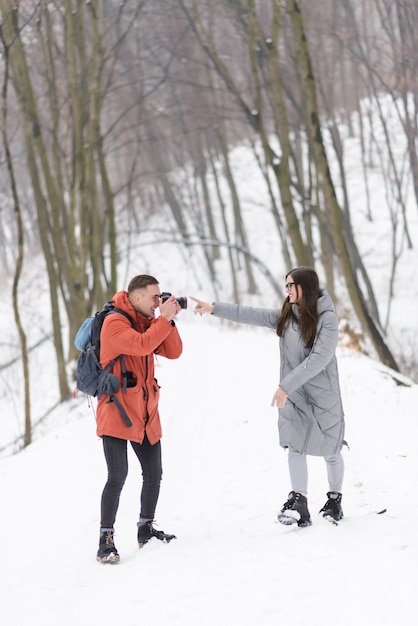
column 169, row 308
column 202, row 307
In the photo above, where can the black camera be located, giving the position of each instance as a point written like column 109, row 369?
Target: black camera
column 182, row 300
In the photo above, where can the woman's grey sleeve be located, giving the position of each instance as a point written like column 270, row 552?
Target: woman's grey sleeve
column 246, row 314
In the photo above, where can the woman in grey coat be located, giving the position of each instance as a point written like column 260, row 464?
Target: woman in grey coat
column 311, row 417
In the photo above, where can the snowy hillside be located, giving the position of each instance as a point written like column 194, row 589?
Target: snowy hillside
column 224, row 480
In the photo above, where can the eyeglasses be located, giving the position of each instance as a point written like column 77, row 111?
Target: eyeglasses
column 288, row 286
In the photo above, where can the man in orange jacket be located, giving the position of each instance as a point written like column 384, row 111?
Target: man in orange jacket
column 138, row 342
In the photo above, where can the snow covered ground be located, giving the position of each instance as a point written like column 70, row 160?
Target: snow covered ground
column 225, row 477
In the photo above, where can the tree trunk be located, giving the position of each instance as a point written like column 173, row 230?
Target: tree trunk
column 27, row 439
column 35, row 154
column 256, row 122
column 324, row 174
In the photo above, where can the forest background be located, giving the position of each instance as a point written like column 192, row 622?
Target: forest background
column 130, row 129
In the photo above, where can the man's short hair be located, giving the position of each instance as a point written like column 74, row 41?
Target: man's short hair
column 141, row 281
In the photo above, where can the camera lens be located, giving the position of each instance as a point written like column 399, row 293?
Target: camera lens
column 182, row 300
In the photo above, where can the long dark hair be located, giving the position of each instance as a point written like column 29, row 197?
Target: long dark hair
column 307, row 279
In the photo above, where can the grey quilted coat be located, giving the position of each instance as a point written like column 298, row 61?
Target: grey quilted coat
column 312, row 420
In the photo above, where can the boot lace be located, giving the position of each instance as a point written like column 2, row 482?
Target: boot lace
column 110, row 544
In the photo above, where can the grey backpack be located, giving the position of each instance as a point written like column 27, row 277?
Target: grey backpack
column 92, row 379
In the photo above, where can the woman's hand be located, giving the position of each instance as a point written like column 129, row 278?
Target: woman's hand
column 279, row 398
column 202, row 307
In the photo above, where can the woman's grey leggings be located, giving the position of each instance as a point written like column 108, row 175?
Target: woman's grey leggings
column 298, row 470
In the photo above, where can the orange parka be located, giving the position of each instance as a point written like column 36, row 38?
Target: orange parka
column 139, row 344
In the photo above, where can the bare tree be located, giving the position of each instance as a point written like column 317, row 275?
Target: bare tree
column 61, row 121
column 20, row 247
column 331, row 202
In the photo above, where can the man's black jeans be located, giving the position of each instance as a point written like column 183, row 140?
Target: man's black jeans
column 116, row 454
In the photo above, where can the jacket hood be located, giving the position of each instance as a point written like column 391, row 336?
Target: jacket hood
column 324, row 302
column 121, row 301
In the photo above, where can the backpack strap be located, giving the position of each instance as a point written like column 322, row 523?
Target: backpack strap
column 122, row 356
column 124, row 373
column 122, row 313
column 108, row 386
column 109, row 366
column 122, row 411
